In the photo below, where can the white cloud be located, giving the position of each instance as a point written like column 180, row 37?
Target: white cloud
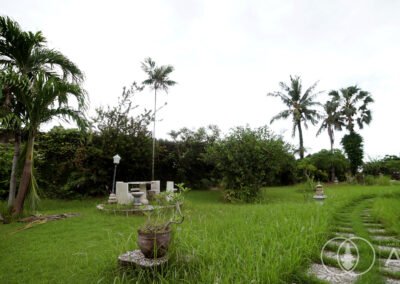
column 229, row 54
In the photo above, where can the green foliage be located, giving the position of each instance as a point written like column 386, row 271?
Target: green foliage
column 353, row 146
column 380, row 180
column 388, row 165
column 6, row 155
column 249, row 159
column 166, row 210
column 324, row 160
column 183, row 159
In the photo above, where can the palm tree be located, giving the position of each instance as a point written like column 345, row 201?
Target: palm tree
column 158, row 79
column 299, row 107
column 25, row 53
column 332, row 120
column 48, row 98
column 11, row 118
column 353, row 106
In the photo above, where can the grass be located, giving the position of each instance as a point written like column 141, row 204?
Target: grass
column 270, row 242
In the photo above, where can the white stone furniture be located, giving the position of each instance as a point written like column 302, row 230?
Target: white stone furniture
column 123, row 195
column 170, row 188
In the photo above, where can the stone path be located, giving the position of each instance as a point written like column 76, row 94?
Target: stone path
column 382, row 242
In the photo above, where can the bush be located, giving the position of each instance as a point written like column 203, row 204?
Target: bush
column 380, row 180
column 250, row 159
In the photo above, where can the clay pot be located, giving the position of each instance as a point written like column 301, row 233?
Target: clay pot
column 154, row 245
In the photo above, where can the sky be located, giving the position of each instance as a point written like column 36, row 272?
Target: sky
column 228, row 55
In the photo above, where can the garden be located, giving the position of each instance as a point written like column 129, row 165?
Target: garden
column 109, row 202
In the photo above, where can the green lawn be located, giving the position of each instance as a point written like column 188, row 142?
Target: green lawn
column 271, row 242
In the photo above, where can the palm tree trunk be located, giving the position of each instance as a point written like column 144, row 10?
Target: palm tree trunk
column 331, row 138
column 25, row 177
column 13, row 179
column 154, row 133
column 301, row 140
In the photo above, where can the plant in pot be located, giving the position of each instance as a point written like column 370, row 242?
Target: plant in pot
column 155, row 236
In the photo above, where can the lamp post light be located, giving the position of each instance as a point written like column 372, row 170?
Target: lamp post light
column 113, row 197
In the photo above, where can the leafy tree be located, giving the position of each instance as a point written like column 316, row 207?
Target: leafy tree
column 158, row 79
column 325, row 160
column 188, row 155
column 299, row 107
column 353, row 146
column 48, row 99
column 249, row 159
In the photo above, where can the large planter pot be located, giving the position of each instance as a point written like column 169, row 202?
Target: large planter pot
column 154, row 245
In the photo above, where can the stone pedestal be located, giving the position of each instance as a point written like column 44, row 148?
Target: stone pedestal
column 137, row 196
column 170, row 189
column 123, row 196
column 319, row 196
column 143, row 199
column 155, row 186
column 112, row 199
column 137, row 259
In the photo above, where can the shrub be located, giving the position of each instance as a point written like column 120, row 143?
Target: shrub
column 380, row 180
column 249, row 159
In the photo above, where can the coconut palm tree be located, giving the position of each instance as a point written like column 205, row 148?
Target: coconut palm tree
column 331, row 120
column 353, row 106
column 48, row 98
column 158, row 79
column 299, row 107
column 25, row 53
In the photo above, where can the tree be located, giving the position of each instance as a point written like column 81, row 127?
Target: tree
column 299, row 106
column 332, row 120
column 48, row 98
column 25, row 53
column 11, row 118
column 353, row 106
column 353, row 146
column 158, row 79
column 353, row 109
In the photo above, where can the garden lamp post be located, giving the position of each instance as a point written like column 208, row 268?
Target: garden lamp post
column 113, row 197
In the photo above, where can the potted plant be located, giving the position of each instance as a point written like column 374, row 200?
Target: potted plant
column 155, row 236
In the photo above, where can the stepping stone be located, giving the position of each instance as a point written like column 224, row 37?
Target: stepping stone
column 376, row 230
column 392, row 265
column 392, row 281
column 385, row 248
column 345, row 228
column 374, row 225
column 347, row 235
column 331, row 274
column 386, row 238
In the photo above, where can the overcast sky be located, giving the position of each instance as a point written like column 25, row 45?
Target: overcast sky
column 229, row 54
